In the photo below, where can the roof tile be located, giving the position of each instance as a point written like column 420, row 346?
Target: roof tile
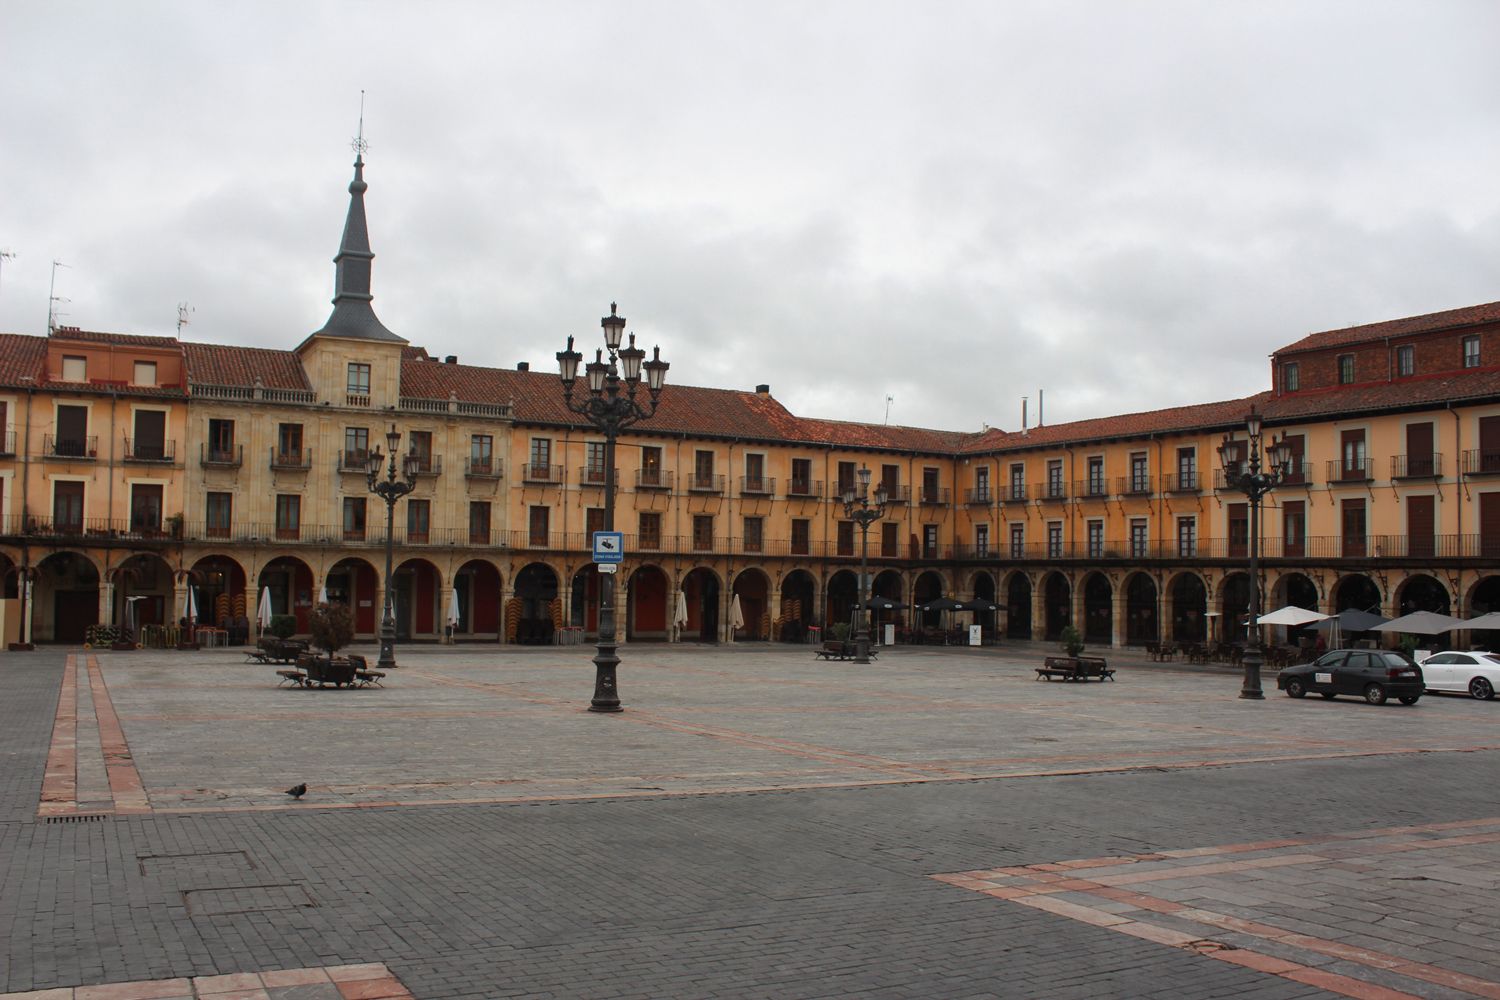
column 1489, row 312
column 221, row 364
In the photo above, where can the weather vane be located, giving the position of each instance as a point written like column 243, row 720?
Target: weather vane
column 359, row 145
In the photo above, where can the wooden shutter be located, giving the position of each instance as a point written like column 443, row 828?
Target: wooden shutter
column 1352, row 454
column 1294, row 527
column 1489, row 524
column 1239, row 529
column 1419, row 449
column 1354, row 527
column 1421, row 525
column 1489, row 444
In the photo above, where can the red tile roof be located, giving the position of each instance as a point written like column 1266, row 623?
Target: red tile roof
column 221, row 364
column 1431, row 390
column 1176, row 419
column 94, row 337
column 22, row 359
column 1489, row 312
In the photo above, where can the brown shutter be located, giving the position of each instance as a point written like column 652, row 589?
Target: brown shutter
column 1419, row 449
column 1294, row 527
column 1350, row 466
column 1489, row 444
column 1421, row 525
column 1489, row 524
column 1354, row 527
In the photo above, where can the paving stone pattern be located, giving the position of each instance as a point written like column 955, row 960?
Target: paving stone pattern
column 818, row 883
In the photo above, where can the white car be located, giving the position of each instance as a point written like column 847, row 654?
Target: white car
column 1476, row 673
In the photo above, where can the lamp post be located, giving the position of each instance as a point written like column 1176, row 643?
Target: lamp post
column 390, row 489
column 611, row 406
column 1255, row 483
column 859, row 509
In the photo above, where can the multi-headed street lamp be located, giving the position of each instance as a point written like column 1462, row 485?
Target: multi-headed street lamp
column 610, row 410
column 1251, row 480
column 859, row 508
column 390, row 489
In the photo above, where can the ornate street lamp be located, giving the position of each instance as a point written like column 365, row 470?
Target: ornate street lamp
column 390, row 489
column 606, row 408
column 859, row 508
column 1249, row 479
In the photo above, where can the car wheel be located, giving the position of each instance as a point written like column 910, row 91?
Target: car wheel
column 1375, row 694
column 1295, row 688
column 1328, row 694
column 1481, row 689
column 1409, row 699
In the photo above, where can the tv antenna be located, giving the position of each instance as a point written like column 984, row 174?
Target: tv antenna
column 183, row 312
column 5, row 255
column 888, row 400
column 53, row 298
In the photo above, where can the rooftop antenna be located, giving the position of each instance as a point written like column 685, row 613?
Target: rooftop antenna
column 53, row 298
column 1024, row 426
column 359, row 145
column 183, row 312
column 6, row 255
column 888, row 400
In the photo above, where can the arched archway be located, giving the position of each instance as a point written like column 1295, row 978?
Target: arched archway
column 1141, row 624
column 754, row 593
column 1234, row 606
column 928, row 587
column 888, row 584
column 354, row 583
column 529, row 615
column 417, row 586
column 1484, row 597
column 290, row 582
column 1357, row 592
column 798, row 604
column 646, row 604
column 1294, row 590
column 1422, row 593
column 10, row 579
column 220, row 583
column 1018, row 607
column 477, row 583
column 1189, row 608
column 701, row 589
column 144, row 592
column 1098, row 610
column 65, row 598
column 983, row 585
column 1057, row 605
column 843, row 594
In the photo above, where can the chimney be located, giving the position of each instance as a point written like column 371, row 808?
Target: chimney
column 1024, row 426
column 451, row 359
column 523, row 366
column 1039, row 406
column 764, row 389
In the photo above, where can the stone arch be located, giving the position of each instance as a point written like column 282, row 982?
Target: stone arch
column 479, row 586
column 223, row 598
column 1356, row 591
column 1484, row 597
column 10, row 578
column 701, row 588
column 1141, row 623
column 584, row 595
column 144, row 592
column 352, row 581
column 890, row 585
column 417, row 588
column 65, row 597
column 842, row 595
column 529, row 616
column 646, row 613
column 753, row 588
column 1098, row 609
column 1057, row 603
column 799, row 596
column 1421, row 592
column 1234, row 607
column 928, row 586
column 1018, row 606
column 290, row 582
column 1294, row 590
column 1189, row 610
column 983, row 586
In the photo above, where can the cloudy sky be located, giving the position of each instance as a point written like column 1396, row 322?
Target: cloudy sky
column 954, row 204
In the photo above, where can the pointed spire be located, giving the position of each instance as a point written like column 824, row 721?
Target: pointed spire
column 352, row 315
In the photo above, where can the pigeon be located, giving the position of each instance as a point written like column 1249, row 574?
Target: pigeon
column 297, row 791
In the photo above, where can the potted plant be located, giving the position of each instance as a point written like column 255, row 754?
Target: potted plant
column 332, row 627
column 1072, row 642
column 283, row 626
column 174, row 526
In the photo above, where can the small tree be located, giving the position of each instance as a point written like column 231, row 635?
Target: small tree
column 1408, row 643
column 332, row 627
column 283, row 626
column 1072, row 642
column 839, row 630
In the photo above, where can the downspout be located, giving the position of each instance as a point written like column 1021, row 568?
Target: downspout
column 1458, row 486
column 26, row 461
column 114, row 405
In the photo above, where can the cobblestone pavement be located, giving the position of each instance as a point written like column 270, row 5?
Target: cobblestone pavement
column 755, row 824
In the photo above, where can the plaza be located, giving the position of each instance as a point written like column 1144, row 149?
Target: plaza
column 755, row 823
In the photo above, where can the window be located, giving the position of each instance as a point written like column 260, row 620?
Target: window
column 356, row 447
column 1054, row 540
column 1291, row 377
column 73, row 432
column 354, row 518
column 1239, row 530
column 593, row 463
column 67, row 506
column 981, row 540
column 1293, row 527
column 703, row 470
column 593, row 520
column 1018, row 541
column 1187, row 537
column 150, row 441
column 1353, row 464
column 929, row 541
column 801, row 536
column 1140, row 538
column 1096, row 539
column 1352, row 513
column 482, row 454
column 1140, row 473
column 219, row 514
column 649, row 527
column 1297, row 466
column 144, row 373
column 703, row 531
column 890, row 540
column 288, row 513
column 890, row 476
column 421, row 449
column 1346, row 369
column 930, row 486
column 1187, row 468
column 1471, row 352
column 1406, row 360
column 846, row 478
column 288, row 444
column 540, row 462
column 801, row 477
column 1096, row 476
column 1055, row 479
column 754, row 534
column 418, row 520
column 359, row 379
column 479, row 522
column 755, row 473
column 1017, row 481
column 221, row 440
column 982, row 484
column 845, row 536
column 537, row 525
column 75, row 368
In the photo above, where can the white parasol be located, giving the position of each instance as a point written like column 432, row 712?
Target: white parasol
column 680, row 615
column 191, row 613
column 736, row 617
column 454, row 612
column 323, row 593
column 263, row 610
column 1291, row 615
column 1421, row 623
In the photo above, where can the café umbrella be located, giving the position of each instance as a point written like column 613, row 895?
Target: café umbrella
column 1421, row 623
column 263, row 610
column 1291, row 616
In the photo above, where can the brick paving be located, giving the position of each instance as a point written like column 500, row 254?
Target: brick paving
column 754, row 824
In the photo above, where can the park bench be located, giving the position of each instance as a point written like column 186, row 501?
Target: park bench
column 270, row 649
column 833, row 649
column 1075, row 668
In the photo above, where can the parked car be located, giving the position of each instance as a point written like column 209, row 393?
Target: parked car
column 1371, row 674
column 1477, row 673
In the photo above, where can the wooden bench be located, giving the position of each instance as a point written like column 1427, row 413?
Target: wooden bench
column 269, row 649
column 363, row 675
column 295, row 677
column 1075, row 668
column 832, row 649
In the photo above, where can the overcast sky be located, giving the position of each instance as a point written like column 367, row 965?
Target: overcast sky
column 1128, row 205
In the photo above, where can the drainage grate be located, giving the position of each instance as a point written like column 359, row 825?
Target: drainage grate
column 78, row 818
column 245, row 899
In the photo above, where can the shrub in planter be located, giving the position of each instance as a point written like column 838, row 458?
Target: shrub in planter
column 283, row 626
column 1072, row 642
column 332, row 627
column 839, row 631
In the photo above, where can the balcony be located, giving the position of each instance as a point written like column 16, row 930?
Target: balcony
column 221, row 458
column 70, row 448
column 593, row 475
column 804, row 489
column 1181, row 482
column 360, row 399
column 85, row 530
column 355, row 460
column 291, row 461
column 535, row 473
column 425, row 465
column 1298, row 473
column 653, row 479
column 1013, row 493
column 1352, row 471
column 1417, row 466
column 932, row 496
column 1477, row 462
column 150, row 452
column 705, row 482
column 979, row 496
column 8, row 444
column 1096, row 488
column 1137, row 485
column 899, row 495
column 481, row 468
column 757, row 486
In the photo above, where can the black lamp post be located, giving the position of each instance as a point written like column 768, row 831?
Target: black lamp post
column 610, row 411
column 859, row 508
column 1250, row 480
column 390, row 489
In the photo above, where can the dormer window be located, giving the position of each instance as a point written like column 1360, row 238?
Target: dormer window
column 1471, row 352
column 359, row 379
column 75, row 368
column 1406, row 360
column 1346, row 369
column 1291, row 377
column 144, row 374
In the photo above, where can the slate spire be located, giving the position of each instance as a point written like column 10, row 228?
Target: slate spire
column 352, row 315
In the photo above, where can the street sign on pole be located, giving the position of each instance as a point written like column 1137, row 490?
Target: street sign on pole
column 609, row 547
